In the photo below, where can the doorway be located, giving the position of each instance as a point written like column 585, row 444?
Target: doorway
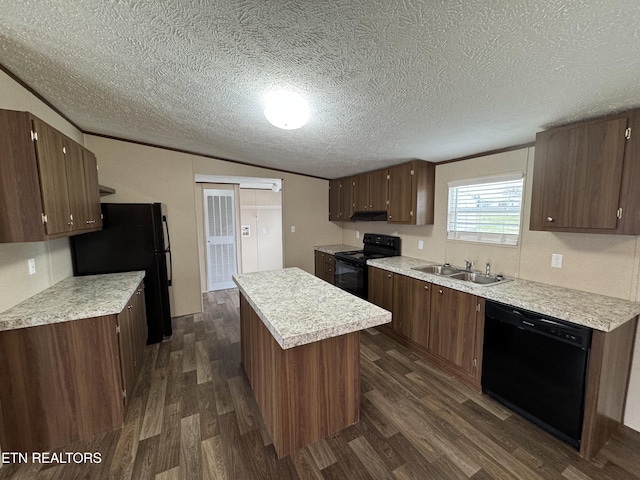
column 220, row 236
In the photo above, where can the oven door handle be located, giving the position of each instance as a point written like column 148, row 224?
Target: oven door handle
column 348, row 262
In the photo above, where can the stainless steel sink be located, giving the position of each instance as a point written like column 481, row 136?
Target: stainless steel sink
column 478, row 278
column 438, row 269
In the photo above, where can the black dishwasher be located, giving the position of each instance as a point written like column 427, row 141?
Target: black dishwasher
column 537, row 366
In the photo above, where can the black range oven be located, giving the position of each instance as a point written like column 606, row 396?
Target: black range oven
column 351, row 267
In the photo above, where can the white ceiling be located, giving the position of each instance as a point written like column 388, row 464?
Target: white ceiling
column 387, row 81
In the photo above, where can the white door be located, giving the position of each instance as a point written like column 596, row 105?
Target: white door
column 221, row 238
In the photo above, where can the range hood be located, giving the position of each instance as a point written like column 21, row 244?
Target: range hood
column 369, row 217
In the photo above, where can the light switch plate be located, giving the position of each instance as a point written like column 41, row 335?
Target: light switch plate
column 293, row 229
column 357, row 233
column 556, row 260
column 420, row 244
column 32, row 266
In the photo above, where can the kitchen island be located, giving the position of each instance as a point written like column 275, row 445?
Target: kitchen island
column 300, row 341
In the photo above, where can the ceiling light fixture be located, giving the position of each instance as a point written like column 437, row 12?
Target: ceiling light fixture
column 286, row 110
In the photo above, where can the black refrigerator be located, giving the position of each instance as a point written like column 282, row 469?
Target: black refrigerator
column 134, row 236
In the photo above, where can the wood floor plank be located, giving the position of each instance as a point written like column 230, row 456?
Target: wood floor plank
column 174, row 379
column 207, row 409
column 154, row 411
column 203, row 366
column 144, row 467
column 306, row 468
column 190, row 448
column 244, row 404
column 173, row 474
column 322, row 454
column 189, row 352
column 189, row 393
column 224, row 402
column 213, row 465
column 370, row 459
column 169, row 448
column 127, row 447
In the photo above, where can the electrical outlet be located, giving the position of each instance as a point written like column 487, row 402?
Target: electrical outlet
column 556, row 260
column 32, row 266
column 357, row 234
column 293, row 229
column 420, row 244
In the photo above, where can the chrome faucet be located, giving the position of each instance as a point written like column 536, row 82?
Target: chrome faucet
column 487, row 270
column 468, row 265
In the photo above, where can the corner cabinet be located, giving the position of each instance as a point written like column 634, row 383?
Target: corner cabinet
column 49, row 183
column 405, row 192
column 585, row 177
column 132, row 338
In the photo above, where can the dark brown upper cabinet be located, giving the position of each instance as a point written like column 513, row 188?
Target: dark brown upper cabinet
column 411, row 193
column 585, row 177
column 48, row 185
column 335, row 205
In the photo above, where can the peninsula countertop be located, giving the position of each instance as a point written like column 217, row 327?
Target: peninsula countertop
column 298, row 308
column 74, row 298
column 589, row 309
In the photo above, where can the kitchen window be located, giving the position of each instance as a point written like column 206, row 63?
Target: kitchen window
column 486, row 210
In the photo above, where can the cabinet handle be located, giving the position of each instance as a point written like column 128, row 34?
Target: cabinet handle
column 426, row 287
column 139, row 291
column 389, row 276
column 440, row 291
column 69, row 224
column 550, row 219
column 129, row 307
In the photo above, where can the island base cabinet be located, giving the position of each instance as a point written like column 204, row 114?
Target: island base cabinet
column 304, row 393
column 59, row 383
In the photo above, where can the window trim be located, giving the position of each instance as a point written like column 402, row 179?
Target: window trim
column 488, row 238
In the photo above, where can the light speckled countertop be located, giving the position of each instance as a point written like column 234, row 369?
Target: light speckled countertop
column 588, row 309
column 333, row 249
column 74, row 298
column 299, row 308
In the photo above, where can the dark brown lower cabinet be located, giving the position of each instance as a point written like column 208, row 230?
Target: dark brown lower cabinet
column 443, row 325
column 325, row 266
column 64, row 382
column 453, row 327
column 411, row 308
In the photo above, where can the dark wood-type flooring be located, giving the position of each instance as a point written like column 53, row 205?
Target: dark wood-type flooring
column 193, row 416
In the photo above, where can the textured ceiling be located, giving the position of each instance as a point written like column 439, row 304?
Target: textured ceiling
column 387, row 81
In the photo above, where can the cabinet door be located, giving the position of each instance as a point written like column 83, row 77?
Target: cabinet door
column 319, row 264
column 334, row 200
column 139, row 316
column 361, row 192
column 452, row 327
column 378, row 190
column 346, row 198
column 76, row 184
column 126, row 339
column 578, row 175
column 20, row 202
column 380, row 286
column 411, row 306
column 92, row 190
column 400, row 193
column 53, row 178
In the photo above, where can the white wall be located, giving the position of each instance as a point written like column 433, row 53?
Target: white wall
column 603, row 264
column 53, row 258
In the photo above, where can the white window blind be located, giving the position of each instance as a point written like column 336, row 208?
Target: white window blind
column 486, row 210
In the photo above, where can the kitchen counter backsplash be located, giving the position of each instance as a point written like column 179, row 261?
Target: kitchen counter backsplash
column 596, row 311
column 333, row 249
column 74, row 298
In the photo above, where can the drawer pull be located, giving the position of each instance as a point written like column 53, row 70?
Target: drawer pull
column 550, row 219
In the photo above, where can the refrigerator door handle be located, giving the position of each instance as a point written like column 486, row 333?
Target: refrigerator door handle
column 168, row 249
